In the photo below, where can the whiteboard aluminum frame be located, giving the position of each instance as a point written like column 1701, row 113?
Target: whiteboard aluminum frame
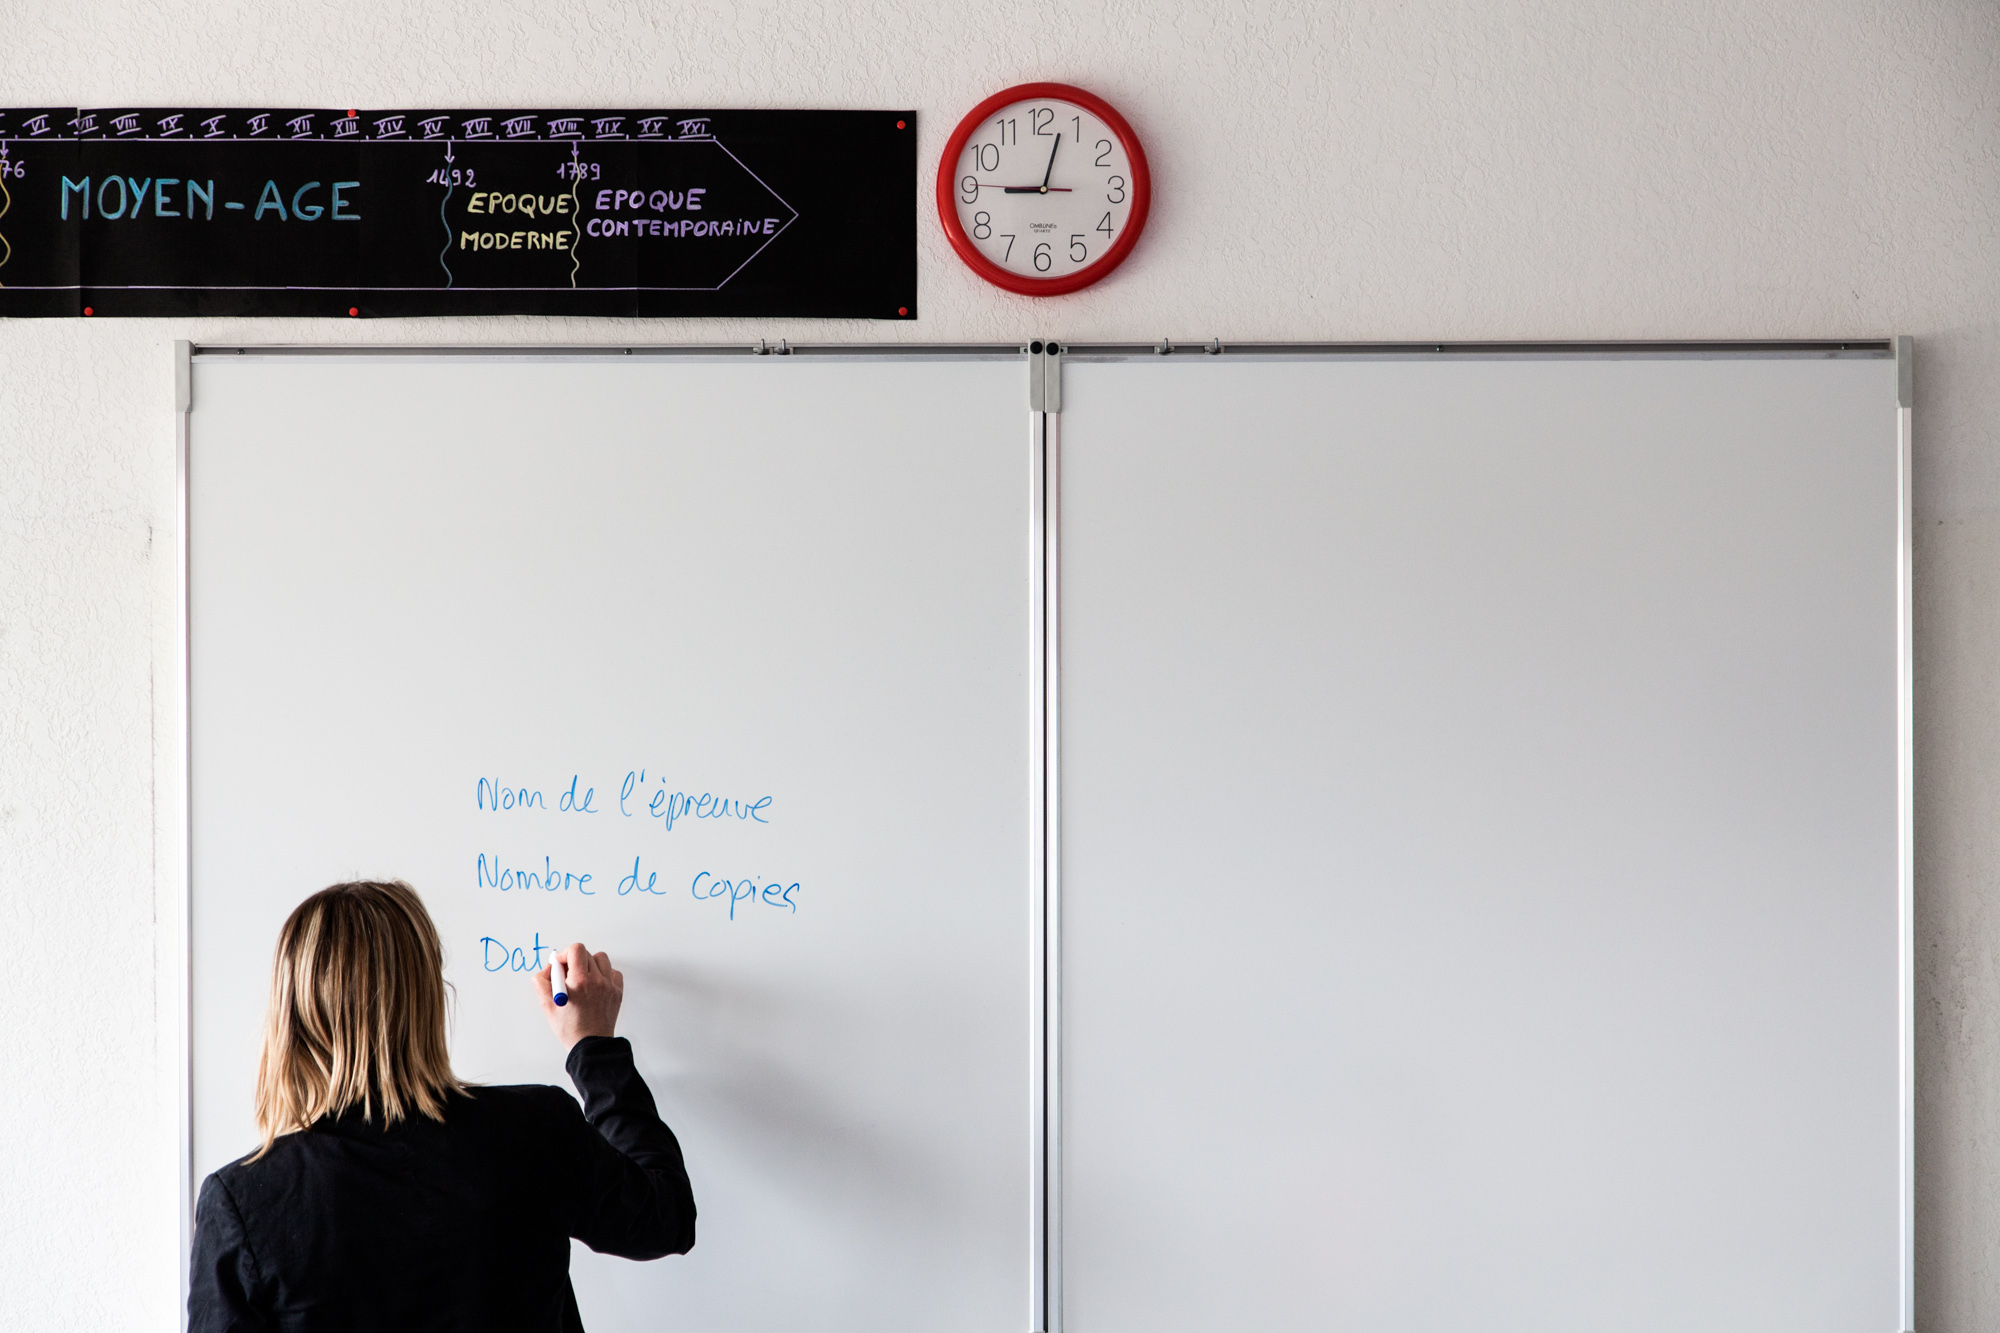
column 1052, row 1046
column 1906, row 842
column 1039, row 805
column 184, row 816
column 1045, row 1012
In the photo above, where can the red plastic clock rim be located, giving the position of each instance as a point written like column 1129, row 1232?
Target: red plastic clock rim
column 1142, row 192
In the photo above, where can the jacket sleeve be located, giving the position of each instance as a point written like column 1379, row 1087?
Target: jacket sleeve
column 223, row 1270
column 637, row 1201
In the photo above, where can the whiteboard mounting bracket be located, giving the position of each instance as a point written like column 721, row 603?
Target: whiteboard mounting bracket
column 1044, row 376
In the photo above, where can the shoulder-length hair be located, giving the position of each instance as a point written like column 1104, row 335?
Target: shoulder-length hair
column 358, row 1012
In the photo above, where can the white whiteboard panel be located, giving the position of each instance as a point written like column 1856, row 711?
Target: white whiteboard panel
column 802, row 587
column 1479, row 867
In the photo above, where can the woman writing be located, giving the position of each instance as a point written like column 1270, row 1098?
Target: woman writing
column 390, row 1195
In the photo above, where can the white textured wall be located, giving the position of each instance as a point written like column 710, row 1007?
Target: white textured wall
column 1367, row 170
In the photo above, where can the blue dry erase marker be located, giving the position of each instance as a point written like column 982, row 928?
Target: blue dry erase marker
column 559, row 983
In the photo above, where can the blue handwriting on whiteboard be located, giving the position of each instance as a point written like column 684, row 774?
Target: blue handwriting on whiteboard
column 506, row 878
column 492, row 795
column 671, row 806
column 497, row 957
column 632, row 884
column 773, row 894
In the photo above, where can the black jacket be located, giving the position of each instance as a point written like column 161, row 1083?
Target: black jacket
column 463, row 1224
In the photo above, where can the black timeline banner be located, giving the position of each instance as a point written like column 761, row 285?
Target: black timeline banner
column 210, row 211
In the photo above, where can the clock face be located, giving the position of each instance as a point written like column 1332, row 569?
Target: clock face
column 1047, row 186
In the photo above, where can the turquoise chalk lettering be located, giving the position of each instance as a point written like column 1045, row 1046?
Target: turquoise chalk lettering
column 338, row 202
column 160, row 209
column 299, row 210
column 269, row 199
column 207, row 197
column 106, row 184
column 81, row 187
column 139, row 188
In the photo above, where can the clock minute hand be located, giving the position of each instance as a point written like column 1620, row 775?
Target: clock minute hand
column 1044, row 187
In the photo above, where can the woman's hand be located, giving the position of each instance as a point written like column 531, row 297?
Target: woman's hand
column 596, row 989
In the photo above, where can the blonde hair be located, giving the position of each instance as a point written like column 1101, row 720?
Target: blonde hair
column 358, row 1012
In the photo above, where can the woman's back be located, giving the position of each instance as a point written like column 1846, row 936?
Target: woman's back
column 459, row 1219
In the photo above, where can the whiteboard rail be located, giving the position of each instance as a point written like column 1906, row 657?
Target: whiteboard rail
column 731, row 351
column 1863, row 347
column 1851, row 347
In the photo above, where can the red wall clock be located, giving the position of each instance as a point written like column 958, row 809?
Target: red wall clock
column 1043, row 189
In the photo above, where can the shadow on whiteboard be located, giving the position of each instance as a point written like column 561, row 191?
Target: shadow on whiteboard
column 777, row 1074
column 809, row 1173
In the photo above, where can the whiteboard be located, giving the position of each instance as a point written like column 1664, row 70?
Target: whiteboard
column 798, row 587
column 1480, row 844
column 1472, row 792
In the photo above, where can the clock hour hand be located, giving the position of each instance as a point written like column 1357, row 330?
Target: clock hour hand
column 1044, row 187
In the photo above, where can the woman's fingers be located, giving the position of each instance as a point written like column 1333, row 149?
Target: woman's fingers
column 586, row 971
column 586, row 967
column 595, row 989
